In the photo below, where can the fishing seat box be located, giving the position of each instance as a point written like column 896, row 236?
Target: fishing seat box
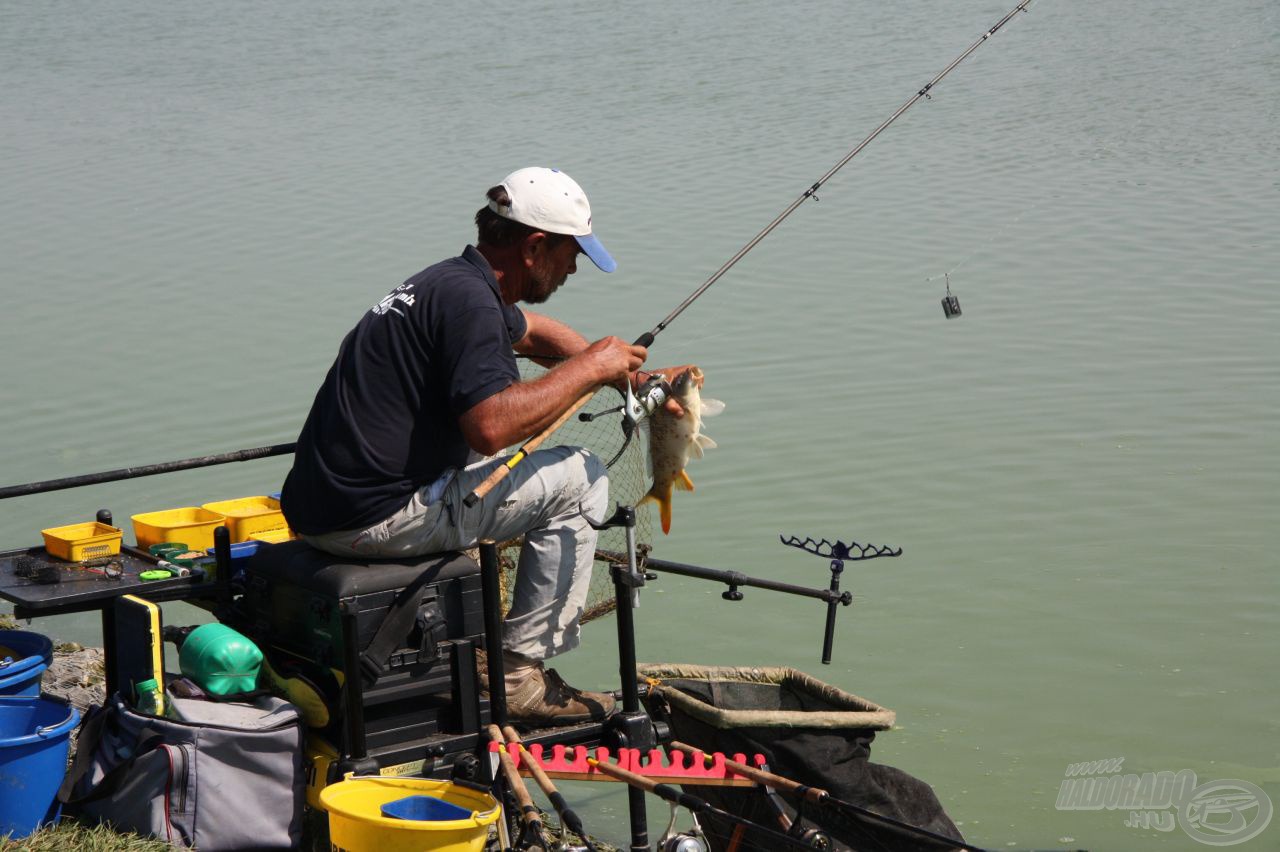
column 317, row 613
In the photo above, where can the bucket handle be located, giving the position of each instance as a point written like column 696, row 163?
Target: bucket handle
column 49, row 730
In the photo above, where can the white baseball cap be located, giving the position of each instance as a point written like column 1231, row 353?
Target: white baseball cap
column 551, row 201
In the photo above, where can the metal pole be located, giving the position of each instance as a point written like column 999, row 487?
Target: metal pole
column 627, row 592
column 829, row 634
column 491, row 594
column 735, row 578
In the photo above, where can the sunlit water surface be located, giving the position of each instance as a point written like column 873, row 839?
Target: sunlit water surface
column 199, row 200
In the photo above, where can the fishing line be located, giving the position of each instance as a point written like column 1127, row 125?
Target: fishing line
column 647, row 338
column 950, row 302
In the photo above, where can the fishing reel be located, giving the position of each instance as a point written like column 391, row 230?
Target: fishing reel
column 690, row 840
column 636, row 406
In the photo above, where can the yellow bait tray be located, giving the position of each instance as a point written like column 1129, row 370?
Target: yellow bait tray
column 78, row 542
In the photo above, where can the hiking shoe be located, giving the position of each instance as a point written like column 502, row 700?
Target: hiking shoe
column 542, row 698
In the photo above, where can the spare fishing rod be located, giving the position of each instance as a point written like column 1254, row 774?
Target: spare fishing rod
column 652, row 400
column 145, row 470
column 820, row 797
column 569, row 819
column 694, row 804
column 531, row 831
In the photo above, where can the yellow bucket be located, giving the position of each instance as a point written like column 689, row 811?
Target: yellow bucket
column 356, row 823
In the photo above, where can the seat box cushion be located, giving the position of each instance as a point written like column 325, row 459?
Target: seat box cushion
column 297, row 563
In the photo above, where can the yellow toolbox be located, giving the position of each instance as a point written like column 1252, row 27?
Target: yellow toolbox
column 78, row 542
column 191, row 524
column 247, row 516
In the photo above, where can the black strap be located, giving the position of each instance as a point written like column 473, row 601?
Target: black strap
column 395, row 626
column 87, row 746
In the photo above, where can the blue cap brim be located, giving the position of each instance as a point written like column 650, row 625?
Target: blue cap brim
column 592, row 248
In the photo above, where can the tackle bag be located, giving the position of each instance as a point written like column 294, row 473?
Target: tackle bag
column 223, row 775
column 810, row 732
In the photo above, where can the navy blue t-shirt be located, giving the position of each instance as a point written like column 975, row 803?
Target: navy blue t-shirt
column 385, row 421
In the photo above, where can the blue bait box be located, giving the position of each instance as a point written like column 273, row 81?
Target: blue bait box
column 240, row 553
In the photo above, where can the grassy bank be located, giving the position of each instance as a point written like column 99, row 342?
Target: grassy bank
column 69, row 837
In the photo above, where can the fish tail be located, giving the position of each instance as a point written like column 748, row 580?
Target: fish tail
column 662, row 496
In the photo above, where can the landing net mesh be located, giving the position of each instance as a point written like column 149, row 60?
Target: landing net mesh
column 628, row 481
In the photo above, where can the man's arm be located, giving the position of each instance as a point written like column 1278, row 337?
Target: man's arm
column 550, row 337
column 526, row 408
column 547, row 336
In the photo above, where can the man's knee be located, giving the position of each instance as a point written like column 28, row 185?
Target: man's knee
column 588, row 478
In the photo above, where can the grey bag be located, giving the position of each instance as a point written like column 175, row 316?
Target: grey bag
column 227, row 775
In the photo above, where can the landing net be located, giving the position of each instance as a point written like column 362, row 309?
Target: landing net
column 628, row 481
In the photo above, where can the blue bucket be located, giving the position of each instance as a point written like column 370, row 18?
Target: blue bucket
column 425, row 809
column 35, row 736
column 23, row 658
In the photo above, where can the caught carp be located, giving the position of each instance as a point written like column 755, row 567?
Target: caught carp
column 674, row 440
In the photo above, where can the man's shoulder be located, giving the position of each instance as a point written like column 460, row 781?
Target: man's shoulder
column 450, row 269
column 454, row 279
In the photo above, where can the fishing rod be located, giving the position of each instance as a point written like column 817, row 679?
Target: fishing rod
column 145, row 470
column 821, row 798
column 693, row 803
column 529, row 816
column 654, row 396
column 569, row 819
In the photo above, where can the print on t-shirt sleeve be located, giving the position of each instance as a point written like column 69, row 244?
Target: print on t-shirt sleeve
column 397, row 301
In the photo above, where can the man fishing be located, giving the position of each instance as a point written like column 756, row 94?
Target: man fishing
column 427, row 382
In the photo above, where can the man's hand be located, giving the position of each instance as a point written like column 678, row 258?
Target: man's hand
column 672, row 405
column 614, row 359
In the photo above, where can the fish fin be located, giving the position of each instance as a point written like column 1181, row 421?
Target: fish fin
column 711, row 407
column 683, row 482
column 663, row 499
column 704, row 442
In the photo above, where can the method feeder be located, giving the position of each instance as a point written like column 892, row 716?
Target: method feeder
column 648, row 337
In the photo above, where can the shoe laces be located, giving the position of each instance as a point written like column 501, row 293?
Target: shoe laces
column 557, row 690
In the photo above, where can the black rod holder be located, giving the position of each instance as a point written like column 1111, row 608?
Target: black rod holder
column 491, row 593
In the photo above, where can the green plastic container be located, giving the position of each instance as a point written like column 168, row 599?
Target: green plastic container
column 220, row 660
column 162, row 551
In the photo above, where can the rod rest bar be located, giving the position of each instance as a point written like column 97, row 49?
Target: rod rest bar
column 736, row 578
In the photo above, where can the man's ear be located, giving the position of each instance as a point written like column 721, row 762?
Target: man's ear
column 532, row 246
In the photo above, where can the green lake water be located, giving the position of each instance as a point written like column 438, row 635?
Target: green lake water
column 1083, row 471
